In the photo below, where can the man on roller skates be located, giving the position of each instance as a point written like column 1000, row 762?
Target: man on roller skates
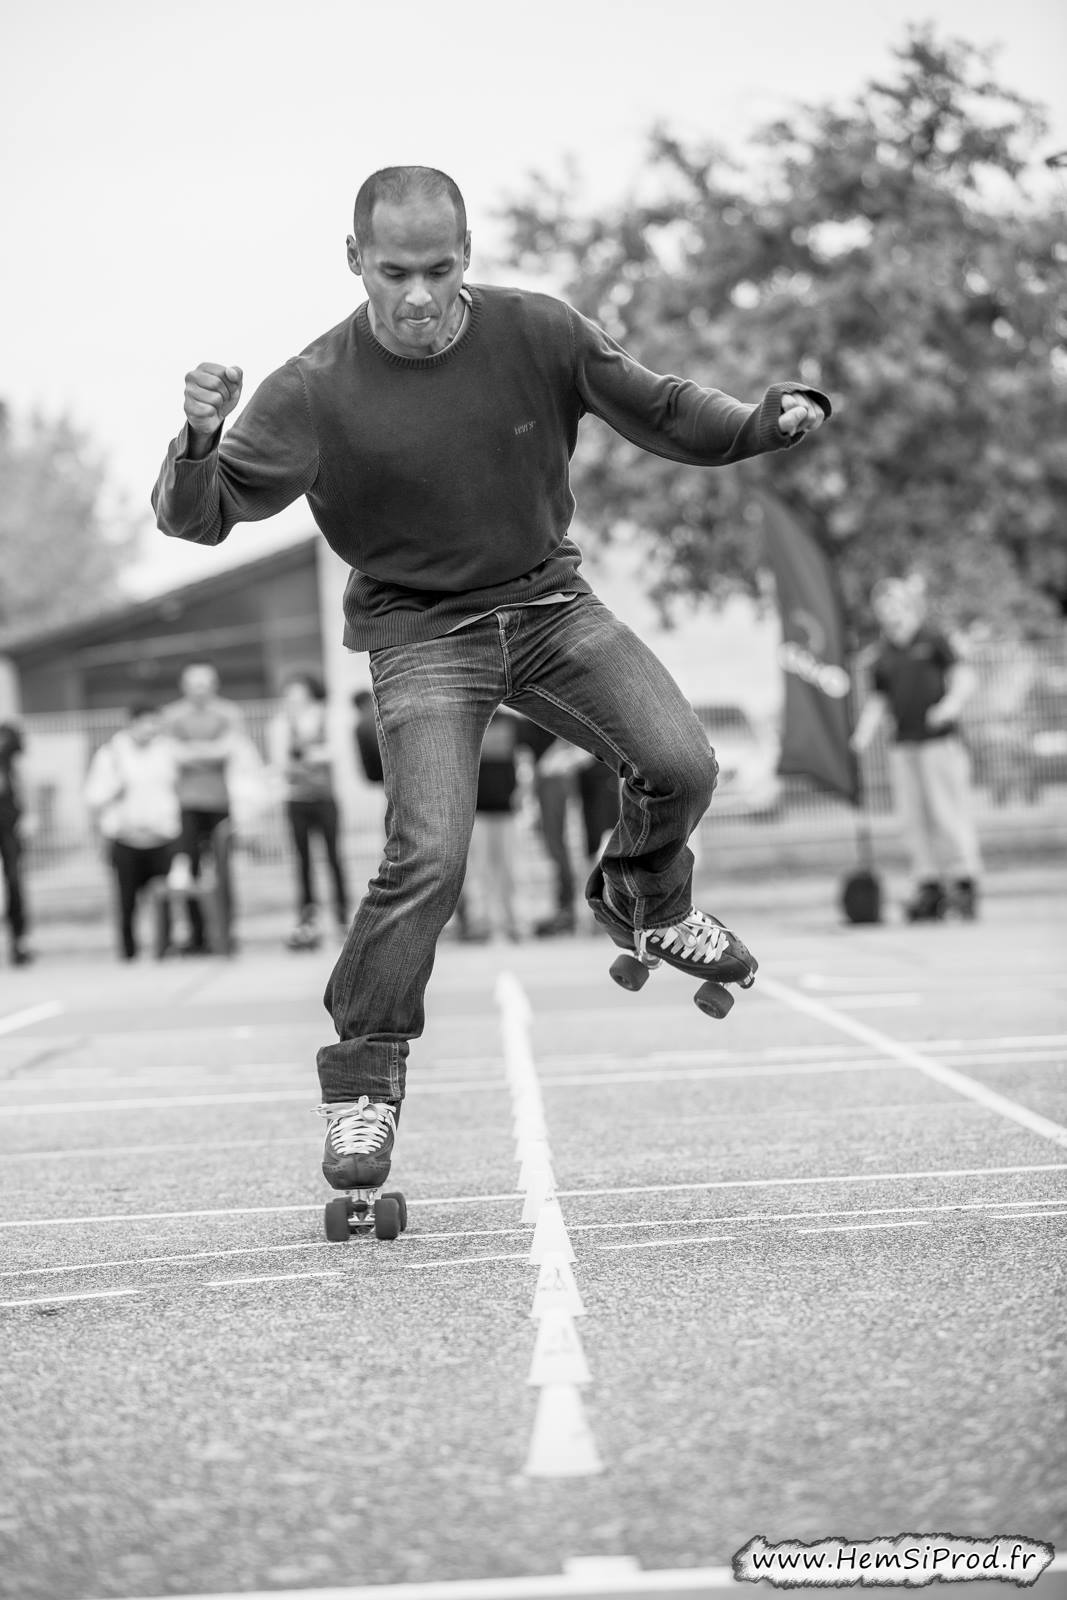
column 431, row 432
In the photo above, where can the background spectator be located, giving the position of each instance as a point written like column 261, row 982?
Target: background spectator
column 918, row 684
column 11, row 818
column 132, row 791
column 488, row 899
column 207, row 730
column 300, row 753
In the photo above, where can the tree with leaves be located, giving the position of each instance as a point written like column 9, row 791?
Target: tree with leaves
column 891, row 253
column 62, row 551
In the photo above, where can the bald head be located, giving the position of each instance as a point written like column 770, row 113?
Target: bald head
column 397, row 186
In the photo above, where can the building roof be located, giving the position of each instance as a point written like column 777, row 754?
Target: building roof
column 25, row 640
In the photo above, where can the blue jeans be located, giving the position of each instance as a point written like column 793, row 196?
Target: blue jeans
column 579, row 672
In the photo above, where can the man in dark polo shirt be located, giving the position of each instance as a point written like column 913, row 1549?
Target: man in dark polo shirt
column 918, row 683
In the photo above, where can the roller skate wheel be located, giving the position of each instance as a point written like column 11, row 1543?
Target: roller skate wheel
column 629, row 973
column 338, row 1229
column 713, row 1000
column 394, row 1194
column 386, row 1218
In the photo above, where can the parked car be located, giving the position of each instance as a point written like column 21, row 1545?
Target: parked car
column 747, row 753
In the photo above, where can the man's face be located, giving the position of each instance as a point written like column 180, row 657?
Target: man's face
column 143, row 729
column 899, row 611
column 198, row 684
column 412, row 268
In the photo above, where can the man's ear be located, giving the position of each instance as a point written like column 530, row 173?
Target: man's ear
column 466, row 250
column 352, row 250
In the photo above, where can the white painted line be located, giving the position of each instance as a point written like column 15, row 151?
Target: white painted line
column 790, row 1183
column 155, row 1216
column 160, row 1102
column 512, row 1199
column 969, row 1207
column 874, row 1002
column 237, row 1211
column 171, row 1260
column 460, row 1261
column 561, row 1443
column 937, row 1070
column 866, row 1227
column 1016, row 1214
column 570, row 1585
column 274, row 1277
column 61, row 1299
column 25, row 1019
column 241, row 1097
column 665, row 1244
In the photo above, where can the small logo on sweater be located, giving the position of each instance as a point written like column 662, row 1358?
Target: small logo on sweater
column 525, row 427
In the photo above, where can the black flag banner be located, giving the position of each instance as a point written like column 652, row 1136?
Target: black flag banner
column 812, row 654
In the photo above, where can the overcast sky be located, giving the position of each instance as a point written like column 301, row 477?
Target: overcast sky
column 178, row 178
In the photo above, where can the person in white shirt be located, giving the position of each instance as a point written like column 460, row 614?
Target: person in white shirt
column 132, row 791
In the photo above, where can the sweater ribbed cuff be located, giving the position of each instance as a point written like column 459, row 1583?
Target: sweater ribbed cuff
column 771, row 436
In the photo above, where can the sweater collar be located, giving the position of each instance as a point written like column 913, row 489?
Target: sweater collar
column 423, row 363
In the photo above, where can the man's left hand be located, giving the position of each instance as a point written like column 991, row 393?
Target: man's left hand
column 940, row 713
column 799, row 415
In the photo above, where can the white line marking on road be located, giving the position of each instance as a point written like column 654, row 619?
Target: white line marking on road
column 156, row 1261
column 867, row 1227
column 872, row 1002
column 1015, row 1214
column 606, row 1578
column 274, row 1277
column 577, row 1194
column 790, row 1183
column 576, row 1585
column 968, row 1207
column 235, row 1098
column 60, row 1299
column 561, row 1441
column 25, row 1019
column 462, row 1261
column 665, row 1244
column 970, row 1088
column 235, row 1211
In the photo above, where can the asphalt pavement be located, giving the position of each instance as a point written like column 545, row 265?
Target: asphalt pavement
column 819, row 1257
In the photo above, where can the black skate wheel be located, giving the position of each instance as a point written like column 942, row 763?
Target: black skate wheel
column 713, row 1000
column 336, row 1218
column 629, row 973
column 394, row 1194
column 386, row 1218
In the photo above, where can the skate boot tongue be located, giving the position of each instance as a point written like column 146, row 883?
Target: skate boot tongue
column 700, row 944
column 359, row 1142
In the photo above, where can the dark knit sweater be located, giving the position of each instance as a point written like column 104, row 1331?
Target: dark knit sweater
column 443, row 481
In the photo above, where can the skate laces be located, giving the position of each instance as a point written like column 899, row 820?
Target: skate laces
column 697, row 937
column 359, row 1127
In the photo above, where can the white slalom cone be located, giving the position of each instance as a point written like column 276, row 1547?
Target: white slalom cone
column 558, row 1356
column 528, row 1114
column 535, row 1159
column 562, row 1444
column 550, row 1233
column 556, row 1289
column 542, row 1187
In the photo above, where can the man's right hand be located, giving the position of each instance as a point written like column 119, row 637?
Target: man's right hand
column 211, row 393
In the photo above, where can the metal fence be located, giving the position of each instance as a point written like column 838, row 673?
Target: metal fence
column 1015, row 728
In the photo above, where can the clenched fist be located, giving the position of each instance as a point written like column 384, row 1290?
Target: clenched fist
column 211, row 392
column 799, row 414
